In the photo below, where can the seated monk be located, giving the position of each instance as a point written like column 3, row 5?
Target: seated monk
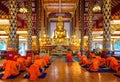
column 21, row 62
column 48, row 57
column 113, row 63
column 101, row 60
column 84, row 61
column 28, row 61
column 44, row 62
column 34, row 71
column 92, row 55
column 94, row 66
column 69, row 57
column 78, row 56
column 39, row 62
column 11, row 68
column 36, row 57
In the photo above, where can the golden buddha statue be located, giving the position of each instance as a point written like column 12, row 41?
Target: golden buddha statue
column 60, row 32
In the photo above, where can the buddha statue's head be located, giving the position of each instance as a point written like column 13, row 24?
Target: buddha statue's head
column 60, row 18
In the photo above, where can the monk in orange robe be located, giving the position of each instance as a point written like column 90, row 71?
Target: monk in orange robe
column 36, row 57
column 34, row 71
column 46, row 60
column 11, row 68
column 28, row 61
column 69, row 57
column 94, row 66
column 84, row 61
column 48, row 57
column 113, row 63
column 92, row 55
column 78, row 56
column 101, row 60
column 39, row 62
column 21, row 62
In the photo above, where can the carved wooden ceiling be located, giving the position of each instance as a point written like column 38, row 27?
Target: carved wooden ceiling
column 68, row 8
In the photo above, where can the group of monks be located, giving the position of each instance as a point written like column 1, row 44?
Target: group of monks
column 95, row 62
column 17, row 64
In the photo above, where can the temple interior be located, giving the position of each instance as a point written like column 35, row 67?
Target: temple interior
column 69, row 33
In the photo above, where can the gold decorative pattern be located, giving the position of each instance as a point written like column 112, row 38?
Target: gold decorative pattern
column 106, row 25
column 82, row 4
column 13, row 24
column 90, row 24
column 29, row 25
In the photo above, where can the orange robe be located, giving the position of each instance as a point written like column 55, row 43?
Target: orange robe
column 28, row 61
column 39, row 63
column 92, row 55
column 11, row 68
column 69, row 57
column 45, row 59
column 34, row 72
column 78, row 56
column 21, row 63
column 101, row 60
column 84, row 61
column 94, row 65
column 36, row 57
column 113, row 63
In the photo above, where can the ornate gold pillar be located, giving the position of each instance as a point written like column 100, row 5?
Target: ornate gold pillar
column 90, row 24
column 37, row 24
column 12, row 41
column 77, row 23
column 82, row 9
column 106, row 26
column 48, row 26
column 17, row 42
column 29, row 28
column 71, row 27
column 42, row 18
column 29, row 25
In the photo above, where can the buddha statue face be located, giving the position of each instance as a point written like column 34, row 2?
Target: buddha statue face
column 59, row 18
column 60, row 25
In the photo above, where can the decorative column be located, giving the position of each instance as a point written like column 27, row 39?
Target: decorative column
column 29, row 27
column 71, row 27
column 77, row 23
column 42, row 18
column 37, row 25
column 12, row 41
column 90, row 24
column 13, row 24
column 17, row 42
column 48, row 26
column 106, row 26
column 82, row 9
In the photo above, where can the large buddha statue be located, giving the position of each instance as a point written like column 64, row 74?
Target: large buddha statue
column 60, row 32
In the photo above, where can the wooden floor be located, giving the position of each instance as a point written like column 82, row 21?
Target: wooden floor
column 60, row 71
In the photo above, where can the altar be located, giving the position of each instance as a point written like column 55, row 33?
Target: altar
column 59, row 50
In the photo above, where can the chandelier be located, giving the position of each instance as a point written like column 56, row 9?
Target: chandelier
column 22, row 8
column 96, row 7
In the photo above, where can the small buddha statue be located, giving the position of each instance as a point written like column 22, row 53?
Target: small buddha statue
column 60, row 32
